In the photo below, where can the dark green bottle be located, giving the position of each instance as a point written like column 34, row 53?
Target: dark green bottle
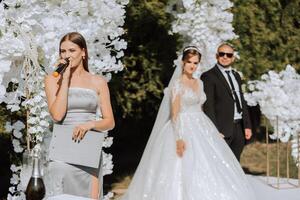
column 35, row 189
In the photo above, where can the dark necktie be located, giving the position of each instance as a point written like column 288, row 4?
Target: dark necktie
column 238, row 105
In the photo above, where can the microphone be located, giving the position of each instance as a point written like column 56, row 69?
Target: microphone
column 61, row 68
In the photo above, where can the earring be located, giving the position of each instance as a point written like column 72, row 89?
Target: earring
column 83, row 57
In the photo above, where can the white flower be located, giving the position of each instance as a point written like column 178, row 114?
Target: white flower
column 9, row 196
column 14, row 180
column 39, row 138
column 108, row 77
column 13, row 107
column 8, row 127
column 120, row 44
column 5, row 65
column 32, row 120
column 17, row 134
column 251, row 87
column 120, row 54
column 108, row 142
column 20, row 188
column 14, row 168
column 37, row 99
column 44, row 114
column 107, row 163
column 2, row 91
column 39, row 129
column 14, row 80
column 16, row 196
column 276, row 94
column 108, row 196
column 11, row 189
column 32, row 130
column 44, row 123
column 17, row 146
column 19, row 125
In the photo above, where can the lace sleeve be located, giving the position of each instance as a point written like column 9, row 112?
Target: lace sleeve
column 175, row 109
column 202, row 93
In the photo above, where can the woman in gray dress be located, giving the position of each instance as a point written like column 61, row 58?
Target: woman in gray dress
column 76, row 97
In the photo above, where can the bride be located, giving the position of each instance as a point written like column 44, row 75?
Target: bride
column 186, row 158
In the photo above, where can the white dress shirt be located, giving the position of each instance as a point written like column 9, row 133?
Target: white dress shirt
column 236, row 87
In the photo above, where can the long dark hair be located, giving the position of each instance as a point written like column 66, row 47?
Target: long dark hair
column 78, row 39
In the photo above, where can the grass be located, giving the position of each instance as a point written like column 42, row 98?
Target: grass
column 254, row 158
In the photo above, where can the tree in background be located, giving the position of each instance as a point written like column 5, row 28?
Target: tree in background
column 269, row 35
column 148, row 59
column 137, row 91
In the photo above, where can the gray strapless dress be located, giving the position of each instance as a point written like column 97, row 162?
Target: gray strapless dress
column 63, row 178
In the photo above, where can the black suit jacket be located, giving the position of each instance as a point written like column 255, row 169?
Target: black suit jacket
column 219, row 106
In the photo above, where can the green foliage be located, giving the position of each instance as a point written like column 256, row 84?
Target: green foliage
column 11, row 117
column 8, row 116
column 3, row 119
column 148, row 59
column 269, row 35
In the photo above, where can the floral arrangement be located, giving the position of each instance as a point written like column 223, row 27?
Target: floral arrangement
column 278, row 95
column 205, row 24
column 29, row 38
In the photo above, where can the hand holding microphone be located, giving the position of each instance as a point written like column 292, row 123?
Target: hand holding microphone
column 61, row 67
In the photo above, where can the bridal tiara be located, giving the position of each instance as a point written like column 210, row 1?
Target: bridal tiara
column 191, row 48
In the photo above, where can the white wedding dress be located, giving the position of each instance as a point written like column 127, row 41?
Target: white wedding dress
column 208, row 169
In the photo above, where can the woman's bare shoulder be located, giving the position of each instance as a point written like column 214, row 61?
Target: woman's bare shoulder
column 98, row 79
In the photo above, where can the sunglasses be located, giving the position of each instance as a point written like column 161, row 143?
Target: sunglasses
column 222, row 54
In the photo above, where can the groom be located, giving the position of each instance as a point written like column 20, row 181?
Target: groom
column 225, row 104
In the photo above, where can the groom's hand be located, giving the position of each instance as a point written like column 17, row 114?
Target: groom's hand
column 180, row 147
column 248, row 133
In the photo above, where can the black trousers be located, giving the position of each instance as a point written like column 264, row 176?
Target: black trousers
column 237, row 141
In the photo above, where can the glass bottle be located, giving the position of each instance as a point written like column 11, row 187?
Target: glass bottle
column 35, row 189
